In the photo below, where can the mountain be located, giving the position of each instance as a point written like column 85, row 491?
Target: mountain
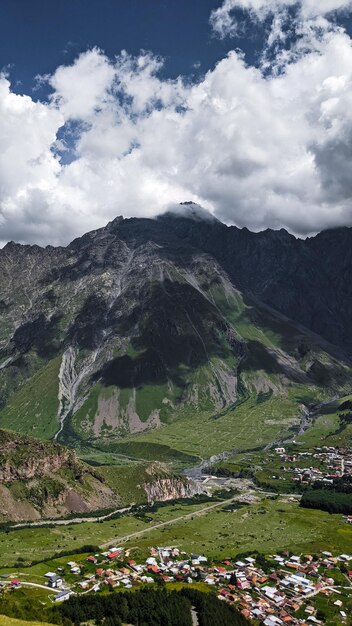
column 40, row 479
column 147, row 336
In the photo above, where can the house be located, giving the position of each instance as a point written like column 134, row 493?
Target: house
column 15, row 584
column 84, row 584
column 198, row 557
column 92, row 559
column 54, row 581
column 294, row 566
column 271, row 621
column 63, row 595
column 243, row 584
column 147, row 579
column 112, row 581
column 295, row 559
column 345, row 557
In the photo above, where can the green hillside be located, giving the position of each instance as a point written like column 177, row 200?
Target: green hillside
column 33, row 408
column 284, row 372
column 329, row 427
column 230, row 367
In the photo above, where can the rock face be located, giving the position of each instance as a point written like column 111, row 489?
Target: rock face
column 23, row 459
column 46, row 480
column 34, row 467
column 309, row 280
column 173, row 488
column 136, row 323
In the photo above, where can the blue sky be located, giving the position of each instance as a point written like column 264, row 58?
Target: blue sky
column 128, row 107
column 38, row 35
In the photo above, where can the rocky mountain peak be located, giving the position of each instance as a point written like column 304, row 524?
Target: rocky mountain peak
column 192, row 211
column 133, row 324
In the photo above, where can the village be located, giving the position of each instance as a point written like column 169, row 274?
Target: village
column 274, row 590
column 271, row 589
column 324, row 464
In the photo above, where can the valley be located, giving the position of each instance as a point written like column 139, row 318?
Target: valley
column 148, row 377
column 225, row 532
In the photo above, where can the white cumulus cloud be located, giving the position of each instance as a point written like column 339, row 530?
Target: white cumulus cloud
column 256, row 149
column 224, row 22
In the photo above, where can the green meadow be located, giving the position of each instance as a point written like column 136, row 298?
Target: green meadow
column 266, row 526
column 248, row 425
column 32, row 410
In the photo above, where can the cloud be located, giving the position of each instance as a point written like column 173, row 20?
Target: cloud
column 257, row 149
column 224, row 20
column 75, row 94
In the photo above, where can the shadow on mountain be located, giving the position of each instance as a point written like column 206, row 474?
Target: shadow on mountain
column 259, row 358
column 179, row 331
column 40, row 334
column 88, row 327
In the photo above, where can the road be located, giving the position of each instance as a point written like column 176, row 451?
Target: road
column 36, row 585
column 75, row 520
column 140, row 533
column 101, row 518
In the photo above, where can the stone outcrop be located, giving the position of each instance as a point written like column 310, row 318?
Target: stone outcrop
column 39, row 480
column 22, row 458
column 173, row 488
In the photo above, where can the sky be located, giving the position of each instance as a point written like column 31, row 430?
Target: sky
column 110, row 108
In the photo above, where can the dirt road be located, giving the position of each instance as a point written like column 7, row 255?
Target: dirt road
column 140, row 533
column 75, row 520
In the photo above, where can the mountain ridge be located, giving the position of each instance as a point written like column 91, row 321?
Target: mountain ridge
column 148, row 321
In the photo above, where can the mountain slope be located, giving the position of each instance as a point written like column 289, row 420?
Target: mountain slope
column 165, row 323
column 41, row 480
column 46, row 480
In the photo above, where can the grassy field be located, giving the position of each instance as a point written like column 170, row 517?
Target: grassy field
column 150, row 451
column 31, row 544
column 10, row 621
column 33, row 409
column 324, row 430
column 249, row 425
column 128, row 481
column 265, row 526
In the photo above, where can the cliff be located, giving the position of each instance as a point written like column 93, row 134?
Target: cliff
column 40, row 479
column 172, row 488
